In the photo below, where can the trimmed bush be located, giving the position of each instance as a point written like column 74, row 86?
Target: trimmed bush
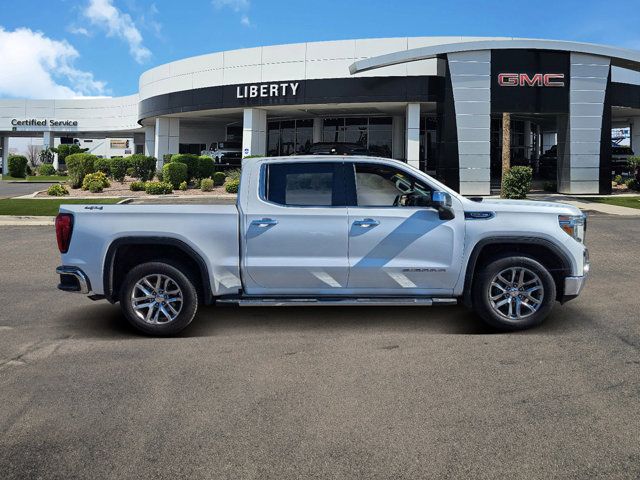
column 160, row 175
column 166, row 158
column 175, row 173
column 57, row 190
column 205, row 167
column 158, row 188
column 233, row 174
column 137, row 186
column 191, row 161
column 102, row 165
column 17, row 166
column 94, row 186
column 206, row 184
column 143, row 167
column 632, row 184
column 46, row 169
column 219, row 178
column 78, row 166
column 517, row 182
column 232, row 186
column 617, row 179
column 118, row 168
column 183, row 186
column 98, row 178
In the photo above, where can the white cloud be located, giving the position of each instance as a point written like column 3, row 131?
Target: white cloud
column 35, row 66
column 103, row 14
column 238, row 6
column 78, row 30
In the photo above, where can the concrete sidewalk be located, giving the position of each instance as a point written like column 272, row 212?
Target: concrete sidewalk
column 583, row 203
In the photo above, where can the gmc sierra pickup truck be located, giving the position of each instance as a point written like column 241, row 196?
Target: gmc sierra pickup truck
column 319, row 230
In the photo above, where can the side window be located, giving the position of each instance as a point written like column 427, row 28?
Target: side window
column 303, row 184
column 384, row 186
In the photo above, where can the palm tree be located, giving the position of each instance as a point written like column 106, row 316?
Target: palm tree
column 506, row 147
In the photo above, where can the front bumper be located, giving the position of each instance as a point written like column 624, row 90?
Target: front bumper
column 574, row 285
column 72, row 279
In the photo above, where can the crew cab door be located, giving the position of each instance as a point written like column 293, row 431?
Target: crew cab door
column 296, row 232
column 397, row 242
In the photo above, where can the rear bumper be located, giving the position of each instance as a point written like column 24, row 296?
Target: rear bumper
column 72, row 279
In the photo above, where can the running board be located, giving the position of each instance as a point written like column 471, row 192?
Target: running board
column 330, row 302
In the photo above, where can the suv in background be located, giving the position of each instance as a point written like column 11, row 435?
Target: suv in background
column 225, row 152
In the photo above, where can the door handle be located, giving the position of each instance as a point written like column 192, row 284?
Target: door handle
column 265, row 222
column 366, row 223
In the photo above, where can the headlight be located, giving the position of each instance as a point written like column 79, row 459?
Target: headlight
column 574, row 225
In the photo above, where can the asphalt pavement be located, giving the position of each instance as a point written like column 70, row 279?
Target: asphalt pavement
column 361, row 392
column 14, row 189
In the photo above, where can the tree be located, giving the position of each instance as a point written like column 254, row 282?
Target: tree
column 33, row 154
column 506, row 148
column 65, row 150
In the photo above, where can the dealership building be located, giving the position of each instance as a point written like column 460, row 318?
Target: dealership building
column 435, row 102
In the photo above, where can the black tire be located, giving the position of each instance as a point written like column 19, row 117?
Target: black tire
column 164, row 327
column 483, row 290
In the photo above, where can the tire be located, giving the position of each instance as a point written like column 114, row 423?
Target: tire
column 166, row 315
column 498, row 304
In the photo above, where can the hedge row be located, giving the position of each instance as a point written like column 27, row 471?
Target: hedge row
column 81, row 164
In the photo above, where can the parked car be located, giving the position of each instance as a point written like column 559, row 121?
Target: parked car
column 318, row 230
column 336, row 148
column 228, row 152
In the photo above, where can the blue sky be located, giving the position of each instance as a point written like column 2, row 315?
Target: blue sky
column 64, row 48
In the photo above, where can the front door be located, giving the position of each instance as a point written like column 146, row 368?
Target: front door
column 296, row 234
column 397, row 242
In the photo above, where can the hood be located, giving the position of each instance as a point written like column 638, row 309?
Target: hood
column 523, row 206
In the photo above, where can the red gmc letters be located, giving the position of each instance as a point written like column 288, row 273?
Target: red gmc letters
column 536, row 80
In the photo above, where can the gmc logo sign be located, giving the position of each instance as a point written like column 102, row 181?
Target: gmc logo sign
column 537, row 80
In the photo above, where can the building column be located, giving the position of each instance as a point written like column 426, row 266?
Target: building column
column 166, row 138
column 150, row 141
column 317, row 130
column 397, row 138
column 254, row 132
column 634, row 123
column 412, row 134
column 5, row 155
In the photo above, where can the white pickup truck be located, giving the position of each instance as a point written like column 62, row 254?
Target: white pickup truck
column 318, row 230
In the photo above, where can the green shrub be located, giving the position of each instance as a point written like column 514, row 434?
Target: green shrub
column 102, row 165
column 233, row 174
column 206, row 184
column 166, row 158
column 232, row 186
column 17, row 166
column 183, row 186
column 219, row 178
column 130, row 171
column 158, row 188
column 137, row 186
column 191, row 161
column 94, row 186
column 118, row 168
column 175, row 173
column 160, row 175
column 143, row 167
column 79, row 165
column 632, row 184
column 550, row 187
column 65, row 150
column 517, row 182
column 94, row 179
column 205, row 167
column 57, row 190
column 617, row 179
column 634, row 165
column 29, row 171
column 46, row 169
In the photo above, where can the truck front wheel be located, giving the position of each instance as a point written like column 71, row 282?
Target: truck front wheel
column 158, row 298
column 513, row 292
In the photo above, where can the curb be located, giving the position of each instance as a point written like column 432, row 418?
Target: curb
column 15, row 220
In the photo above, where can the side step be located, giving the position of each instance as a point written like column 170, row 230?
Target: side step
column 349, row 302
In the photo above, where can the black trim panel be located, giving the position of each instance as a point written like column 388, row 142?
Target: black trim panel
column 624, row 95
column 107, row 274
column 309, row 92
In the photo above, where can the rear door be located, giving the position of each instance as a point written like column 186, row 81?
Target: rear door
column 397, row 242
column 296, row 233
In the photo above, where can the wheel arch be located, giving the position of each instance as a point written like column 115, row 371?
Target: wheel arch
column 541, row 249
column 177, row 250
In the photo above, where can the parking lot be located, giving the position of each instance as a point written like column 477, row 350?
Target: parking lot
column 359, row 392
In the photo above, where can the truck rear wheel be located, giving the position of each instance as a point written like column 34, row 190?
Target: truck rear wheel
column 513, row 292
column 158, row 298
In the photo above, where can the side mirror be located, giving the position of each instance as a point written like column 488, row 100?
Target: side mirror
column 441, row 201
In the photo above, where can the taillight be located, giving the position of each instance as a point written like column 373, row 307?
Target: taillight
column 64, row 228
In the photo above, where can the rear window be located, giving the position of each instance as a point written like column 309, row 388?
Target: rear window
column 303, row 184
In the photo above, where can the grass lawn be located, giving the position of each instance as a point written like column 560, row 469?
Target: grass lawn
column 631, row 202
column 45, row 207
column 38, row 178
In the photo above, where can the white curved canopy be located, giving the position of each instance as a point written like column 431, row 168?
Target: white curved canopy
column 620, row 57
